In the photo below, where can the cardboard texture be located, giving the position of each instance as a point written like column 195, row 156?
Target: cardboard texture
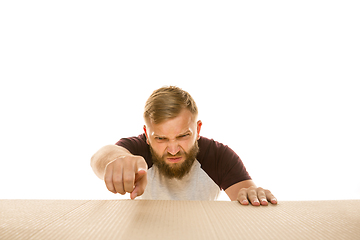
column 144, row 219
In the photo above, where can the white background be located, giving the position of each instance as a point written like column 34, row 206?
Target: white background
column 277, row 81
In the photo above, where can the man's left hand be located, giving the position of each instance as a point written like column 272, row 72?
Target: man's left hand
column 256, row 196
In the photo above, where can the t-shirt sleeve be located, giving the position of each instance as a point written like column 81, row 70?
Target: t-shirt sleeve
column 221, row 163
column 137, row 146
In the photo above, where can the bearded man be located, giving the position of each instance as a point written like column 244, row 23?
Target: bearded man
column 171, row 161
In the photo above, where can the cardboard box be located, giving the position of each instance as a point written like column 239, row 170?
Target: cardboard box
column 144, row 219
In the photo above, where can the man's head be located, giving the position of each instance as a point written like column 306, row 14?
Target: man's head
column 172, row 130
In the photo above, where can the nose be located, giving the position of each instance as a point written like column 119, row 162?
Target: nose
column 173, row 148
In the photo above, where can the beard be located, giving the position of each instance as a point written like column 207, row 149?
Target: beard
column 175, row 170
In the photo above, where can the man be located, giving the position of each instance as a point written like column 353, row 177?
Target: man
column 172, row 161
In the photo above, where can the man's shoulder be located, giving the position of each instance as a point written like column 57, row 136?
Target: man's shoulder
column 210, row 143
column 210, row 150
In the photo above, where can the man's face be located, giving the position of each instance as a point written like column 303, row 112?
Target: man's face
column 173, row 144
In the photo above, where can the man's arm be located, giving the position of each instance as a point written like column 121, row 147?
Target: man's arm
column 246, row 191
column 104, row 156
column 121, row 171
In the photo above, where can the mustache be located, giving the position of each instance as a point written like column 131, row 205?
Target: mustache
column 169, row 155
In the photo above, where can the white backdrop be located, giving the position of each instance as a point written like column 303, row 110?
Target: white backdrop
column 276, row 81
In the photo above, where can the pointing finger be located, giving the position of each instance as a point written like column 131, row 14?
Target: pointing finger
column 140, row 184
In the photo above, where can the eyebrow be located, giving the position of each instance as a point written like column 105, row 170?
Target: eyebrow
column 187, row 132
column 162, row 136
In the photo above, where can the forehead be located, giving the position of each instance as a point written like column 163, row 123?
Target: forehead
column 183, row 123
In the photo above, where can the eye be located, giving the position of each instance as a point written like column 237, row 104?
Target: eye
column 185, row 135
column 160, row 139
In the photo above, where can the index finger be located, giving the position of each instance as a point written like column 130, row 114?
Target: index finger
column 140, row 178
column 133, row 167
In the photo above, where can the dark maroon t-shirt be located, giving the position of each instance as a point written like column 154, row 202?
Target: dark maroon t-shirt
column 219, row 161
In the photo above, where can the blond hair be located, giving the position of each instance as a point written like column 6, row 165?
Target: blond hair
column 166, row 103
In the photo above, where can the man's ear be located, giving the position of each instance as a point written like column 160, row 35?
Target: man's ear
column 147, row 138
column 199, row 124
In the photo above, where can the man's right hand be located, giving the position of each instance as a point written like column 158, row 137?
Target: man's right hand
column 127, row 174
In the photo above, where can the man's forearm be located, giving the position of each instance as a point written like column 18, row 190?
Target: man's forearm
column 104, row 156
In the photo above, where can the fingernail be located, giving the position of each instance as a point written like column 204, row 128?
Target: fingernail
column 244, row 202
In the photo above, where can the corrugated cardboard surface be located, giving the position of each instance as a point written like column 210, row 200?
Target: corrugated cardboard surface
column 143, row 219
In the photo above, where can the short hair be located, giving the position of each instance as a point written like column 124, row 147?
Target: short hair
column 166, row 103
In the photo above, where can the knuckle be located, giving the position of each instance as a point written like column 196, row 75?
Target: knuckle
column 119, row 188
column 117, row 179
column 124, row 159
column 267, row 191
column 252, row 192
column 242, row 192
column 128, row 179
column 118, row 162
column 121, row 191
column 110, row 187
column 261, row 193
column 241, row 195
column 107, row 180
